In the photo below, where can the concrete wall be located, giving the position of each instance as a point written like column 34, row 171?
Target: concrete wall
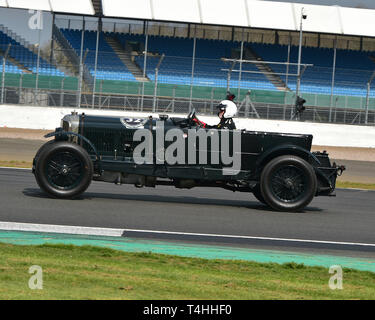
column 324, row 134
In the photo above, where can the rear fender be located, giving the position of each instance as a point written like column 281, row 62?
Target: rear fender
column 287, row 150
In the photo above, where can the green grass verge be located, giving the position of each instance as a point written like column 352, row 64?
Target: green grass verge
column 15, row 164
column 356, row 185
column 72, row 272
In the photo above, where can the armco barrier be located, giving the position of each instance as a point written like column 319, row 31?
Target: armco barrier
column 28, row 117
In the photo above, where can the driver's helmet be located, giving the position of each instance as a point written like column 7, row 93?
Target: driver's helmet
column 229, row 107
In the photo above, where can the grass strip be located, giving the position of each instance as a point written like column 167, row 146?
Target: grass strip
column 16, row 164
column 355, row 185
column 86, row 272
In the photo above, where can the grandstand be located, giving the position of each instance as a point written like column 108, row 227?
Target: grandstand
column 200, row 62
column 352, row 66
column 22, row 58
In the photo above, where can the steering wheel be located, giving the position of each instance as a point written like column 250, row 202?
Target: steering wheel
column 191, row 114
column 190, row 118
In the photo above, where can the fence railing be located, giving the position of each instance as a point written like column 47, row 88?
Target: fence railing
column 174, row 104
column 175, row 84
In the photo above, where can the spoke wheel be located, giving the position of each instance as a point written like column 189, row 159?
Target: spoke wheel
column 288, row 183
column 63, row 169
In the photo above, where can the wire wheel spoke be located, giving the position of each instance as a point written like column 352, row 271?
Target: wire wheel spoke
column 64, row 170
column 288, row 183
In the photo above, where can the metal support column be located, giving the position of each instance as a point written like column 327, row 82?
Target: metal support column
column 20, row 88
column 80, row 80
column 368, row 96
column 333, row 78
column 173, row 98
column 240, row 73
column 37, row 70
column 62, row 93
column 52, row 39
column 287, row 75
column 192, row 68
column 229, row 75
column 81, row 65
column 98, row 31
column 367, row 101
column 156, row 82
column 300, row 54
column 144, row 62
column 3, row 77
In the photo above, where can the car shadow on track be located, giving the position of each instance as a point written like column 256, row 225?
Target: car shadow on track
column 251, row 204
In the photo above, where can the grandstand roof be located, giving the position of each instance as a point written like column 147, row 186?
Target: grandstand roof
column 84, row 7
column 237, row 13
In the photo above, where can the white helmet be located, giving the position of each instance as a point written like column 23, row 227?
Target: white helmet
column 229, row 107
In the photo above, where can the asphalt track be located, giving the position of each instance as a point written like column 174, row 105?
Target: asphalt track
column 342, row 225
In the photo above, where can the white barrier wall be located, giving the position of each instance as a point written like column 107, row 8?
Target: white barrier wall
column 324, row 134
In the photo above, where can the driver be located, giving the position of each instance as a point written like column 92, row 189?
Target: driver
column 227, row 110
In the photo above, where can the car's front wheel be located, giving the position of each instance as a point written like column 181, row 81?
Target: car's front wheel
column 288, row 183
column 63, row 170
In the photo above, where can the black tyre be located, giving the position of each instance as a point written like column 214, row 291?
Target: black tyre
column 63, row 170
column 40, row 150
column 257, row 194
column 288, row 183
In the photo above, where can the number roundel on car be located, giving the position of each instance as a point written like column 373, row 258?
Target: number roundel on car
column 133, row 123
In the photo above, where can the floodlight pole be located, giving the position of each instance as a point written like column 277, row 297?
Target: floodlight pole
column 300, row 53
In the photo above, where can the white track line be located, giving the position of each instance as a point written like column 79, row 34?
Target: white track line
column 76, row 230
column 14, row 226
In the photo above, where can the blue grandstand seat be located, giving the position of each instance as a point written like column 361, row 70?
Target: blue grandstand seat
column 26, row 57
column 354, row 68
column 110, row 67
column 177, row 65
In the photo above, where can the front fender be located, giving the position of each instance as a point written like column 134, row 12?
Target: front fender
column 60, row 134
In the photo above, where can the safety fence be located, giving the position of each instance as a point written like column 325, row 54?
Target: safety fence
column 178, row 84
column 174, row 104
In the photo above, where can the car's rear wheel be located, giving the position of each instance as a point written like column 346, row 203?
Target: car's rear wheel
column 258, row 194
column 63, row 170
column 288, row 183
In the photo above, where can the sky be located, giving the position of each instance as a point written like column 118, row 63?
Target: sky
column 18, row 20
column 368, row 4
